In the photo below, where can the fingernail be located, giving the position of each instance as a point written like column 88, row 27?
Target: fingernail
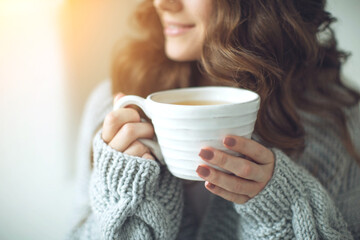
column 203, row 171
column 210, row 185
column 206, row 154
column 118, row 96
column 229, row 141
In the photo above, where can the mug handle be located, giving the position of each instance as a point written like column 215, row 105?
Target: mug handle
column 140, row 102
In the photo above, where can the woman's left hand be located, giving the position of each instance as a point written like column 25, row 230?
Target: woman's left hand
column 250, row 174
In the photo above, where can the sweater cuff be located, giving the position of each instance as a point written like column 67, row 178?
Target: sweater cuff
column 275, row 200
column 122, row 175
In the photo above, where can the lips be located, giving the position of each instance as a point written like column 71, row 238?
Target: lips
column 177, row 29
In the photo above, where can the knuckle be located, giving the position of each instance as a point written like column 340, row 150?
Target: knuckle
column 246, row 170
column 128, row 130
column 222, row 158
column 110, row 119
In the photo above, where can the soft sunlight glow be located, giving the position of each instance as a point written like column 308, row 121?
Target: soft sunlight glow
column 16, row 7
column 33, row 146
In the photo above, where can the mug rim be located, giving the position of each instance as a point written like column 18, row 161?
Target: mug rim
column 191, row 89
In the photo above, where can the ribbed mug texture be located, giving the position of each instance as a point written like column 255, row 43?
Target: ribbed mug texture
column 182, row 130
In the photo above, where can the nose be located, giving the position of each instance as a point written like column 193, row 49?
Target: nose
column 168, row 5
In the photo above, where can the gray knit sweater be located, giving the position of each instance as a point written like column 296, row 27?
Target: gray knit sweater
column 123, row 197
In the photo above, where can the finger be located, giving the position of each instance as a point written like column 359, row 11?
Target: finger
column 232, row 197
column 118, row 96
column 137, row 149
column 148, row 156
column 241, row 167
column 115, row 120
column 129, row 133
column 228, row 182
column 250, row 148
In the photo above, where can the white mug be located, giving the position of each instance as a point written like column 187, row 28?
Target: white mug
column 182, row 130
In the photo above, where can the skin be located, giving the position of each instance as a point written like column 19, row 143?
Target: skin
column 184, row 23
column 122, row 128
column 250, row 174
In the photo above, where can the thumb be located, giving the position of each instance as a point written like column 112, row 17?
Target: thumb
column 118, row 96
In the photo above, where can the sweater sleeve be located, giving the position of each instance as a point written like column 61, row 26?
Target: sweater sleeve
column 293, row 205
column 131, row 198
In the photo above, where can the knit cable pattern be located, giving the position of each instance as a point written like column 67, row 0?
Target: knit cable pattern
column 131, row 199
column 307, row 214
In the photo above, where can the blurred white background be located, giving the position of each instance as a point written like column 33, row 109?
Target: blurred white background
column 52, row 53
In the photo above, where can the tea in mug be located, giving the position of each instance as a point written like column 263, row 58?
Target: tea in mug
column 199, row 102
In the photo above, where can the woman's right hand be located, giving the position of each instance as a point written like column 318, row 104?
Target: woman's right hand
column 123, row 127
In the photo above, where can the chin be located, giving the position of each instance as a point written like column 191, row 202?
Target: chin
column 179, row 58
column 179, row 55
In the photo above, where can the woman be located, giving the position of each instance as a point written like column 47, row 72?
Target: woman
column 299, row 177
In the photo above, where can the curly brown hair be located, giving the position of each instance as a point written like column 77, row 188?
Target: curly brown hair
column 283, row 50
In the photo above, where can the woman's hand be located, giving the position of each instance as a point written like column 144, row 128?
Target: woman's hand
column 122, row 128
column 250, row 174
